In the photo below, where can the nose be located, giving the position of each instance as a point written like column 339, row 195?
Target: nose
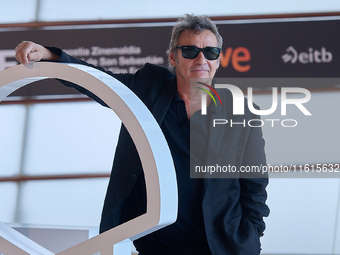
column 200, row 59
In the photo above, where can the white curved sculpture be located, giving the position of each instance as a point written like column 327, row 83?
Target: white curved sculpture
column 161, row 186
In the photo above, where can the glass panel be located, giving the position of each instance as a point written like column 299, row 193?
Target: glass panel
column 12, row 118
column 106, row 9
column 17, row 11
column 68, row 138
column 63, row 202
column 298, row 207
column 315, row 139
column 8, row 200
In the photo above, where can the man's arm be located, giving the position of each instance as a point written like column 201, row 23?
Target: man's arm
column 29, row 51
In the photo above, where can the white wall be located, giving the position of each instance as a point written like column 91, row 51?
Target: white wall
column 304, row 216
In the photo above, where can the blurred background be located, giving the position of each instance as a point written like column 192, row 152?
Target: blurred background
column 56, row 147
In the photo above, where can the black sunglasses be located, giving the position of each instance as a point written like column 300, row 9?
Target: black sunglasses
column 191, row 52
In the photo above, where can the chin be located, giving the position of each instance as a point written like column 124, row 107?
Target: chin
column 200, row 75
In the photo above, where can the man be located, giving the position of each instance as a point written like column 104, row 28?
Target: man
column 216, row 216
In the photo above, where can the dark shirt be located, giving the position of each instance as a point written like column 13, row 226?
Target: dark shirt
column 187, row 234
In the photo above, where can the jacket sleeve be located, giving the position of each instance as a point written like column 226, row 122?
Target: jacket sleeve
column 127, row 79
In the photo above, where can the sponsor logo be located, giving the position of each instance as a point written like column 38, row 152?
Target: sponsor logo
column 238, row 57
column 311, row 56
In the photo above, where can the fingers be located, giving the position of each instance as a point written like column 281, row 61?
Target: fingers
column 21, row 54
column 28, row 51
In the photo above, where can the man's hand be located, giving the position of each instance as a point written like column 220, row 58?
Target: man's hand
column 29, row 51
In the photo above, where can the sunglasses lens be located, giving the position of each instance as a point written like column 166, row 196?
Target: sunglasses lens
column 190, row 52
column 211, row 53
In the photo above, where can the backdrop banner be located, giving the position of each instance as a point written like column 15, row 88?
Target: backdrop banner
column 279, row 48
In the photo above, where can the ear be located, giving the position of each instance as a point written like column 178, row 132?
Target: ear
column 172, row 58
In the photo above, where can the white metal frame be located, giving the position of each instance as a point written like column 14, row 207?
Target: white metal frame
column 160, row 178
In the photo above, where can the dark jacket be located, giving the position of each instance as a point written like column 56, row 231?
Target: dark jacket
column 233, row 208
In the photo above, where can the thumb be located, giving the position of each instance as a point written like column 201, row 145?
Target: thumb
column 34, row 56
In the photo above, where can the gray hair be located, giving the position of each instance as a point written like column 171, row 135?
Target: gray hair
column 196, row 24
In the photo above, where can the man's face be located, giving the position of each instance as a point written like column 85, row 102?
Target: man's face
column 199, row 67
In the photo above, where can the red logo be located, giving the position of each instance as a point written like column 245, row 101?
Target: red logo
column 238, row 57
